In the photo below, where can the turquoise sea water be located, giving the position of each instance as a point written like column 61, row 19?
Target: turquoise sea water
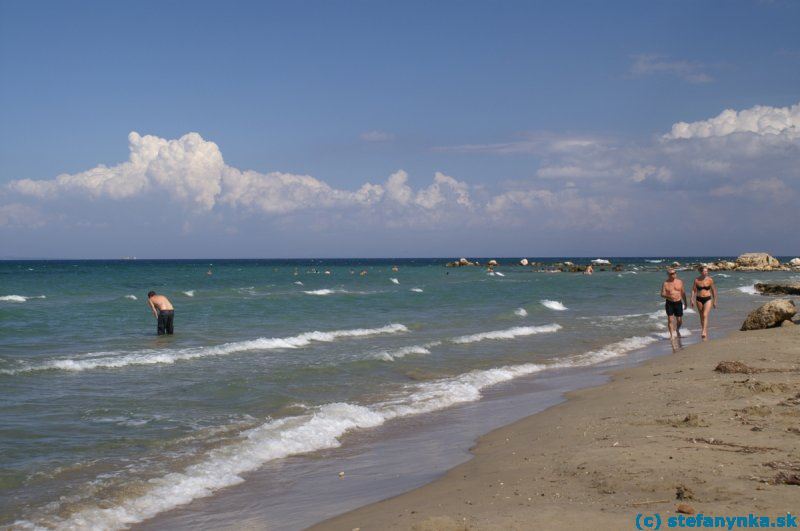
column 104, row 424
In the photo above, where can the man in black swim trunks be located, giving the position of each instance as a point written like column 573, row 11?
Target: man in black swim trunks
column 163, row 311
column 675, row 295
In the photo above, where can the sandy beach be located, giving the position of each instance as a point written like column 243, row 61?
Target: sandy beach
column 670, row 432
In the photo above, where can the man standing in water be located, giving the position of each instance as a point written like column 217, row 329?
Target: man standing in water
column 163, row 311
column 672, row 290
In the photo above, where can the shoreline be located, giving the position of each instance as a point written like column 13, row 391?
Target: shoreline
column 627, row 446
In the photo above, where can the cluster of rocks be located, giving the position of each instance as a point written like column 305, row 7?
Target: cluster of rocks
column 755, row 262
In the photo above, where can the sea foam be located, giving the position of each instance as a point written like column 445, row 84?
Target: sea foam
column 416, row 290
column 114, row 360
column 750, row 290
column 553, row 305
column 322, row 427
column 522, row 312
column 394, row 281
column 189, row 293
column 509, row 333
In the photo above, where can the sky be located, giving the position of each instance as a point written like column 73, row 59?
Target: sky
column 398, row 129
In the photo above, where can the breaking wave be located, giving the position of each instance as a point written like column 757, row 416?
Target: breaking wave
column 553, row 305
column 510, row 333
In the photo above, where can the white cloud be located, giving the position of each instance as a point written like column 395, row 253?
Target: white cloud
column 651, row 64
column 760, row 120
column 534, row 144
column 376, row 136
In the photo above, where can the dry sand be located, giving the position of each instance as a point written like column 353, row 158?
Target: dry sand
column 671, row 431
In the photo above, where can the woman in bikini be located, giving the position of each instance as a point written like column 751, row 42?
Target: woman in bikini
column 704, row 295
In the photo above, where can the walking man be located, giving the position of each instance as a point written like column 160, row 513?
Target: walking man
column 675, row 295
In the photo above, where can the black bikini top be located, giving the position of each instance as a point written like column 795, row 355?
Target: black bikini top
column 701, row 287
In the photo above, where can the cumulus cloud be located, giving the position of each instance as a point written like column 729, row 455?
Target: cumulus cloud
column 759, row 120
column 653, row 64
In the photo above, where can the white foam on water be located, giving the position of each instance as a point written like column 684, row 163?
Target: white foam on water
column 326, row 291
column 391, row 355
column 491, row 273
column 13, row 298
column 131, row 297
column 722, row 275
column 115, row 360
column 298, row 283
column 553, row 305
column 319, row 429
column 654, row 261
column 601, row 261
column 416, row 290
column 394, row 281
column 189, row 293
column 665, row 335
column 750, row 290
column 522, row 312
column 499, row 274
column 510, row 333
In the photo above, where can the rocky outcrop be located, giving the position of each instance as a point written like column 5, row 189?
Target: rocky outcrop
column 461, row 262
column 770, row 315
column 523, row 262
column 778, row 288
column 795, row 263
column 757, row 262
column 721, row 265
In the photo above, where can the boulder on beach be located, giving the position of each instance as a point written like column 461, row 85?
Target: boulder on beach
column 770, row 315
column 523, row 262
column 794, row 262
column 756, row 262
column 778, row 288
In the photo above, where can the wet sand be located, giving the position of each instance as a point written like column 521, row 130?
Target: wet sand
column 671, row 431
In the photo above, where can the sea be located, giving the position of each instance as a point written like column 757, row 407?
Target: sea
column 281, row 369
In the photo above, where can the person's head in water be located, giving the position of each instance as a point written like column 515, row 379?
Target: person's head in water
column 151, row 294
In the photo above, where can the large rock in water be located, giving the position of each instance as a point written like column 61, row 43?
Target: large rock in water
column 757, row 261
column 794, row 262
column 770, row 315
column 778, row 288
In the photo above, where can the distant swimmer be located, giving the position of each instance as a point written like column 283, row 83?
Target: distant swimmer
column 589, row 270
column 395, row 269
column 673, row 291
column 704, row 294
column 163, row 311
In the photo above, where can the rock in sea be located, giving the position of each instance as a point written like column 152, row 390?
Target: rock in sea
column 770, row 315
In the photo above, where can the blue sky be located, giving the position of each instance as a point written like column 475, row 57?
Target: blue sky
column 320, row 128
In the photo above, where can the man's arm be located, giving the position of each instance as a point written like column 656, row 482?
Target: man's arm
column 683, row 296
column 153, row 308
column 664, row 290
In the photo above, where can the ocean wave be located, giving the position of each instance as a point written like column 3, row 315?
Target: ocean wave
column 20, row 298
column 416, row 290
column 104, row 360
column 325, row 291
column 521, row 312
column 509, row 333
column 391, row 355
column 131, row 297
column 189, row 293
column 553, row 305
column 394, row 280
column 750, row 289
column 654, row 261
column 499, row 274
column 320, row 428
column 299, row 283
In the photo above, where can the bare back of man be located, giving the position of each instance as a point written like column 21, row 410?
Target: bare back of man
column 163, row 312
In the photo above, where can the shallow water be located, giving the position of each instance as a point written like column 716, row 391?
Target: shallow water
column 106, row 424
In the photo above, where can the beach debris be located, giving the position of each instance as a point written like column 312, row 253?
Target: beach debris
column 685, row 508
column 785, row 478
column 682, row 492
column 736, row 447
column 757, row 386
column 737, row 367
column 791, row 401
column 770, row 315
